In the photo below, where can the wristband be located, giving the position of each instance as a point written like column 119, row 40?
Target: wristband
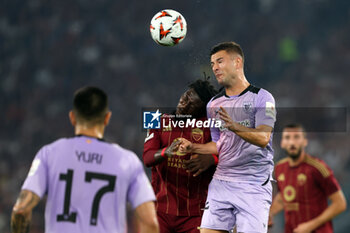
column 216, row 159
column 162, row 153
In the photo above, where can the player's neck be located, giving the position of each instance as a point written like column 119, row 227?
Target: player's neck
column 294, row 163
column 238, row 85
column 95, row 131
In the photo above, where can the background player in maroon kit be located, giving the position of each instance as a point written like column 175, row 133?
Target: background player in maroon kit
column 180, row 181
column 305, row 184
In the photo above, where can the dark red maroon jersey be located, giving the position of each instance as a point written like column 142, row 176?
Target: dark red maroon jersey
column 177, row 191
column 305, row 190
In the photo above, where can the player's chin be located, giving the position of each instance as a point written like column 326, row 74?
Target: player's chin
column 294, row 154
column 219, row 79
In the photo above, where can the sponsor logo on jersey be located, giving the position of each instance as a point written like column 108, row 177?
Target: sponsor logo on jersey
column 289, row 193
column 245, row 123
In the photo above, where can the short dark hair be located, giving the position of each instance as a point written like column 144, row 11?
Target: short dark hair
column 295, row 126
column 90, row 105
column 230, row 47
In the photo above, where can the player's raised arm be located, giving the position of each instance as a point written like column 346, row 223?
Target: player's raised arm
column 22, row 211
column 147, row 217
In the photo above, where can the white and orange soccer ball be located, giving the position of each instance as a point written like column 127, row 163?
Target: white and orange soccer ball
column 168, row 27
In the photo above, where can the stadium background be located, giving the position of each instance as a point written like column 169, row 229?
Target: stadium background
column 298, row 50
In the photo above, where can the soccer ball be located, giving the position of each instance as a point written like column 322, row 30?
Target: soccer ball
column 168, row 27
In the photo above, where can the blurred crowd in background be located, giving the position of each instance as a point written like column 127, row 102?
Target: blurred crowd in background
column 298, row 50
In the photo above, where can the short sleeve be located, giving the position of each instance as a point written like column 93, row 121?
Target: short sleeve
column 265, row 109
column 276, row 175
column 214, row 131
column 325, row 178
column 140, row 189
column 36, row 180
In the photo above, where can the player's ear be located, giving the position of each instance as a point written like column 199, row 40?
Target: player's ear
column 305, row 142
column 282, row 143
column 238, row 62
column 107, row 118
column 72, row 118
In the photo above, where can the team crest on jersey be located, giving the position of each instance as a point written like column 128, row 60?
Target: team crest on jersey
column 247, row 106
column 281, row 177
column 301, row 179
column 289, row 193
column 197, row 134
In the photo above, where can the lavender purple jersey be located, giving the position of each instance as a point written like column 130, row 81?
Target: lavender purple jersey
column 88, row 183
column 240, row 160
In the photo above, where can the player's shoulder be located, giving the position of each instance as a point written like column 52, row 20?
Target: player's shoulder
column 318, row 164
column 263, row 93
column 123, row 151
column 50, row 148
column 56, row 143
column 221, row 93
column 282, row 162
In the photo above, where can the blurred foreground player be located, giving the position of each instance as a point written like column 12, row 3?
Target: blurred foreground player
column 305, row 184
column 180, row 181
column 87, row 180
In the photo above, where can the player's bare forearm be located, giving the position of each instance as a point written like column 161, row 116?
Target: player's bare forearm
column 208, row 148
column 277, row 205
column 22, row 211
column 259, row 136
column 338, row 205
column 147, row 218
column 189, row 147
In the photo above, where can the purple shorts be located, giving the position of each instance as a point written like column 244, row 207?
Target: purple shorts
column 244, row 205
